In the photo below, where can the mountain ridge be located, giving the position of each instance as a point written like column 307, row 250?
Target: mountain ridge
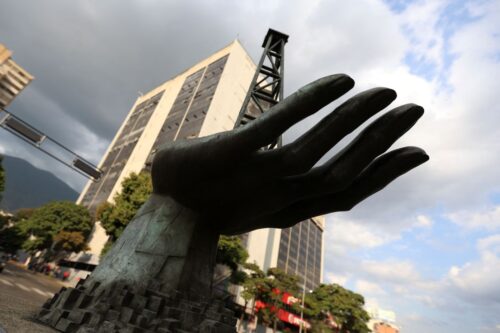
column 27, row 186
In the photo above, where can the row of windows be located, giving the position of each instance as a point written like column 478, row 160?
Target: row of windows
column 190, row 106
column 120, row 153
column 194, row 118
column 186, row 93
column 178, row 110
column 300, row 252
column 14, row 68
column 190, row 122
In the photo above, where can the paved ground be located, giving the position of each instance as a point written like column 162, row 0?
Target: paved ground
column 22, row 293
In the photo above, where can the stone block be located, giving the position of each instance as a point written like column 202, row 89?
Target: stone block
column 154, row 285
column 52, row 318
column 142, row 321
column 76, row 316
column 170, row 312
column 163, row 330
column 127, row 315
column 138, row 302
column 84, row 329
column 69, row 298
column 67, row 326
column 149, row 315
column 83, row 301
column 106, row 327
column 169, row 323
column 155, row 303
column 112, row 315
column 95, row 320
column 103, row 306
column 134, row 329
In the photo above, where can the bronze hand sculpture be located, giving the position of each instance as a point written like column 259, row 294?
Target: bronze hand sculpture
column 238, row 187
column 227, row 184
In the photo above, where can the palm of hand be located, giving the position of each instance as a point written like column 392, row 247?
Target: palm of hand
column 239, row 187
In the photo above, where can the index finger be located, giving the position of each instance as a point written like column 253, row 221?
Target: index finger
column 301, row 104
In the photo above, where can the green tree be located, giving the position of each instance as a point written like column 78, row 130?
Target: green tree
column 2, row 178
column 136, row 188
column 4, row 220
column 71, row 241
column 345, row 306
column 11, row 237
column 46, row 222
column 269, row 288
column 276, row 283
column 251, row 287
column 23, row 214
column 232, row 253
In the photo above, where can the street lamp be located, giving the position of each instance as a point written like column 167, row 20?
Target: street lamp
column 302, row 306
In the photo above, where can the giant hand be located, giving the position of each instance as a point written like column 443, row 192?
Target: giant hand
column 237, row 187
column 225, row 183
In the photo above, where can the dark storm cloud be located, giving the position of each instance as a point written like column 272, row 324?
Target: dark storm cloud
column 92, row 59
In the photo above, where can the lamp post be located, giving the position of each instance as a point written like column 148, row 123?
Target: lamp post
column 302, row 307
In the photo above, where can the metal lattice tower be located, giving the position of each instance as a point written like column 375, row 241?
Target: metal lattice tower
column 266, row 89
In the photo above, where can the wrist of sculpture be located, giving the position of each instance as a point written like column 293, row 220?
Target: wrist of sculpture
column 165, row 242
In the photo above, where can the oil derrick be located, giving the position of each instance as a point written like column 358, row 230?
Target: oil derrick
column 266, row 89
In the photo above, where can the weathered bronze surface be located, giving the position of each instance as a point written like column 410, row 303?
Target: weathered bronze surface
column 226, row 184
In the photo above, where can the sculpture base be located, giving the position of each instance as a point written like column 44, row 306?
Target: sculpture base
column 120, row 308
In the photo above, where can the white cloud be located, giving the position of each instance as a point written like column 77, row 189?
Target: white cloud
column 371, row 302
column 489, row 244
column 459, row 128
column 419, row 20
column 477, row 281
column 391, row 271
column 368, row 288
column 344, row 234
column 488, row 219
column 460, row 132
column 423, row 222
column 336, row 278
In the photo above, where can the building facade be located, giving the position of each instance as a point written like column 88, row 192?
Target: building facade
column 297, row 250
column 13, row 78
column 301, row 251
column 203, row 100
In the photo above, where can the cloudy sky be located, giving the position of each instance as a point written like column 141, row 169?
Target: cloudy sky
column 428, row 247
